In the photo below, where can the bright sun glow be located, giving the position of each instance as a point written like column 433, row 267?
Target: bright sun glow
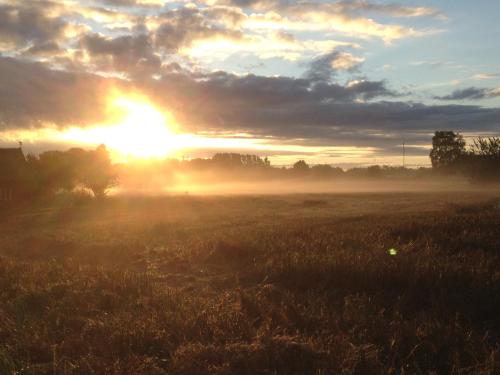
column 140, row 131
column 144, row 131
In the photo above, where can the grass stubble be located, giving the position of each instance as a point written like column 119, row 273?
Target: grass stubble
column 252, row 285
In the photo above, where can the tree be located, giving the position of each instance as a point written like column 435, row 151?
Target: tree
column 324, row 171
column 97, row 172
column 489, row 147
column 56, row 169
column 234, row 160
column 482, row 161
column 447, row 148
column 66, row 170
column 301, row 166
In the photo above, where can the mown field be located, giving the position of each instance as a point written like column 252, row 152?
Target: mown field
column 297, row 284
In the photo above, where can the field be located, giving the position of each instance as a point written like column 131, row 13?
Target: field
column 401, row 283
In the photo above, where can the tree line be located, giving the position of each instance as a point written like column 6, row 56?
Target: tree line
column 479, row 161
column 251, row 167
column 53, row 171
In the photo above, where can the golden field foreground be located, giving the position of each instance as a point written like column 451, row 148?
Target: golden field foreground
column 402, row 283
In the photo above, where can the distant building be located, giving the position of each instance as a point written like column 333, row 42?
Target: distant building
column 12, row 173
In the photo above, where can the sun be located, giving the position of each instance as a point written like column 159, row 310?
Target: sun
column 143, row 132
column 136, row 130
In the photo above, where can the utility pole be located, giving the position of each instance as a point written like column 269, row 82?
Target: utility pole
column 404, row 156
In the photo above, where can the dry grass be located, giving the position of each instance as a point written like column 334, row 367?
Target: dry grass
column 252, row 285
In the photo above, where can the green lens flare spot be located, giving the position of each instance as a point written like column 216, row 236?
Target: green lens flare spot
column 392, row 251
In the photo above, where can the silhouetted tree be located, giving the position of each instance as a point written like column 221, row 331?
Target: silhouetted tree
column 56, row 170
column 65, row 170
column 489, row 147
column 447, row 148
column 374, row 171
column 482, row 161
column 301, row 166
column 234, row 160
column 326, row 171
column 97, row 173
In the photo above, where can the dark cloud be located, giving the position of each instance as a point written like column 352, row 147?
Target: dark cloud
column 49, row 48
column 261, row 4
column 32, row 95
column 221, row 92
column 131, row 53
column 325, row 67
column 179, row 28
column 471, row 93
column 301, row 108
column 320, row 69
column 367, row 90
column 22, row 25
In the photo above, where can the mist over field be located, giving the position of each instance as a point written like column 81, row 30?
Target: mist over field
column 202, row 187
column 158, row 182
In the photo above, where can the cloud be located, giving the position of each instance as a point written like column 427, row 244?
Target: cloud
column 324, row 67
column 221, row 91
column 24, row 25
column 313, row 20
column 210, row 33
column 471, row 93
column 283, row 108
column 396, row 10
column 127, row 3
column 214, row 34
column 346, row 17
column 346, row 61
column 48, row 48
column 345, row 7
column 107, row 18
column 300, row 108
column 130, row 53
column 367, row 90
column 170, row 53
column 180, row 28
column 31, row 95
column 483, row 76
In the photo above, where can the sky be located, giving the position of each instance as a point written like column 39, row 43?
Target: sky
column 338, row 82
